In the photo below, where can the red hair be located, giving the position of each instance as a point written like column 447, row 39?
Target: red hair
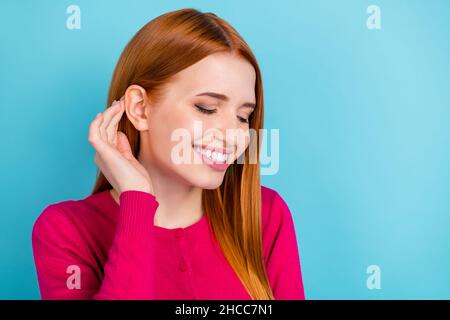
column 163, row 47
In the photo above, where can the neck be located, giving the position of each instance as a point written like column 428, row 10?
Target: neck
column 180, row 205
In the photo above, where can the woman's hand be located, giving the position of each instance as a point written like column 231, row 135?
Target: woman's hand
column 113, row 152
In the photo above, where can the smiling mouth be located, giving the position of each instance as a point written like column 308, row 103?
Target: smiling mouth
column 216, row 155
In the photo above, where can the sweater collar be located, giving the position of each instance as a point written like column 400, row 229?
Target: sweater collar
column 194, row 228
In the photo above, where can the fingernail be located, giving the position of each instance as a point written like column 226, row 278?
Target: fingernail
column 98, row 115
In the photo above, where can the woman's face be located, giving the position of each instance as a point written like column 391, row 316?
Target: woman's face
column 201, row 125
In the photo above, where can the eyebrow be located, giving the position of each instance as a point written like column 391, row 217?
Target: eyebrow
column 225, row 98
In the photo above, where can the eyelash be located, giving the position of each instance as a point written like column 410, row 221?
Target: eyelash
column 208, row 111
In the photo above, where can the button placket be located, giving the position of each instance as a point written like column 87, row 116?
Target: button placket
column 182, row 266
column 178, row 233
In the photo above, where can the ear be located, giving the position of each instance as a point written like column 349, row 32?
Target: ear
column 136, row 106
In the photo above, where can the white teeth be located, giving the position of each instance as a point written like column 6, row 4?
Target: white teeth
column 212, row 155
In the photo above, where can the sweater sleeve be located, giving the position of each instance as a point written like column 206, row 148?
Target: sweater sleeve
column 60, row 254
column 283, row 261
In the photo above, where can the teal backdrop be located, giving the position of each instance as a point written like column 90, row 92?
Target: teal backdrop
column 363, row 116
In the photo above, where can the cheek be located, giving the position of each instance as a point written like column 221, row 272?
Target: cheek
column 168, row 123
column 165, row 132
column 242, row 141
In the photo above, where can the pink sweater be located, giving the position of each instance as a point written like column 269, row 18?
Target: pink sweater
column 95, row 248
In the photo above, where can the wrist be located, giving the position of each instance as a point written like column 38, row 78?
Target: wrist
column 141, row 189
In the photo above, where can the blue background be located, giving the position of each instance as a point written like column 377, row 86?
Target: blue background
column 363, row 118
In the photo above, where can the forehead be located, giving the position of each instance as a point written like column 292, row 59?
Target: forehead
column 223, row 73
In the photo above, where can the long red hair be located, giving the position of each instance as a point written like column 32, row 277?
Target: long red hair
column 163, row 47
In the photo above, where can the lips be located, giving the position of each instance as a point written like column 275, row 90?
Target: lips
column 215, row 157
column 214, row 148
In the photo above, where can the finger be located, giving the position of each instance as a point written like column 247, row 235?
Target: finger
column 94, row 132
column 123, row 145
column 107, row 115
column 122, row 101
column 116, row 121
column 111, row 130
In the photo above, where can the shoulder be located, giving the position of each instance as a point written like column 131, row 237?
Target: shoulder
column 276, row 220
column 54, row 213
column 53, row 224
column 274, row 208
column 64, row 219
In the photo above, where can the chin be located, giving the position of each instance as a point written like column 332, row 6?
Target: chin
column 205, row 180
column 211, row 186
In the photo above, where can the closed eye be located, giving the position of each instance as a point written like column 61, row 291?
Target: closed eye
column 243, row 120
column 205, row 110
column 210, row 111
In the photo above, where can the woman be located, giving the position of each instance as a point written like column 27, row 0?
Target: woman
column 160, row 227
